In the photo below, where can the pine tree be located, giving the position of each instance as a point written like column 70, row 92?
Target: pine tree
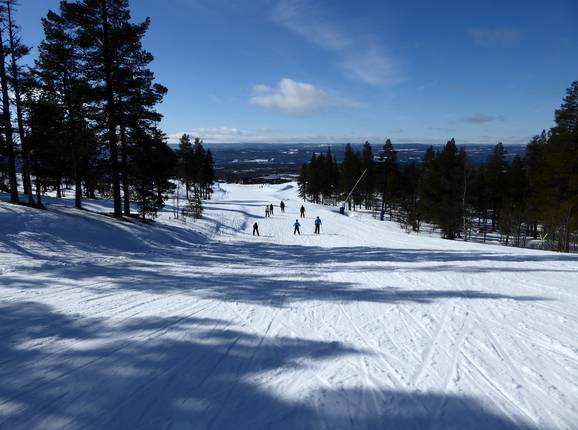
column 408, row 185
column 152, row 167
column 6, row 116
column 61, row 79
column 516, row 196
column 367, row 186
column 208, row 174
column 302, row 181
column 349, row 174
column 47, row 125
column 450, row 206
column 185, row 166
column 559, row 183
column 198, row 160
column 534, row 162
column 496, row 166
column 442, row 189
column 136, row 93
column 330, row 177
column 389, row 174
column 480, row 197
column 18, row 50
column 94, row 23
column 429, row 187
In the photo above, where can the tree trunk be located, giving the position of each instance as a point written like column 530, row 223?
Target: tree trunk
column 111, row 112
column 74, row 146
column 38, row 192
column 7, row 123
column 124, row 158
column 16, row 85
column 566, row 247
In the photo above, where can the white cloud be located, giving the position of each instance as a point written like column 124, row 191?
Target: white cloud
column 494, row 36
column 360, row 57
column 296, row 98
column 213, row 134
column 370, row 66
column 301, row 19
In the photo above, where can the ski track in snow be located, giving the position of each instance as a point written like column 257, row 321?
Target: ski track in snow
column 109, row 325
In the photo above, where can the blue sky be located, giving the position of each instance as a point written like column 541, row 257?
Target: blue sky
column 347, row 71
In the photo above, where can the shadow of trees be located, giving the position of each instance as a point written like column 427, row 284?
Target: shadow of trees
column 59, row 371
column 163, row 259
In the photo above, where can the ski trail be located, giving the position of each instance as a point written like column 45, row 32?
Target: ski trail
column 415, row 378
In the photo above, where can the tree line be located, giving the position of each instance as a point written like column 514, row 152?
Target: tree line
column 534, row 196
column 86, row 113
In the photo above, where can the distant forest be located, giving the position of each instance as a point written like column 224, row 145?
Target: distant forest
column 532, row 196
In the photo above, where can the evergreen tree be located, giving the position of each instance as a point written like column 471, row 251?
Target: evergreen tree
column 330, row 176
column 534, row 162
column 367, row 186
column 152, row 167
column 198, row 159
column 6, row 115
column 559, row 182
column 61, row 80
column 47, row 125
column 185, row 166
column 516, row 195
column 18, row 50
column 208, row 174
column 480, row 197
column 429, row 188
column 389, row 174
column 495, row 175
column 408, row 183
column 450, row 206
column 302, row 181
column 314, row 179
column 349, row 174
column 442, row 189
column 105, row 35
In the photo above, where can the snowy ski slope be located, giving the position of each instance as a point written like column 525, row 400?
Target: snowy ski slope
column 118, row 325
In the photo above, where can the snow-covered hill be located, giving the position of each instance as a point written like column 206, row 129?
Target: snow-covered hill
column 119, row 325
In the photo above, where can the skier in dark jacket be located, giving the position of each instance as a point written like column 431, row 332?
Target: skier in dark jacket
column 297, row 225
column 302, row 211
column 255, row 229
column 317, row 225
column 271, row 208
column 282, row 206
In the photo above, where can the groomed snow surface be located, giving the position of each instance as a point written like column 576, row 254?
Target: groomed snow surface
column 119, row 325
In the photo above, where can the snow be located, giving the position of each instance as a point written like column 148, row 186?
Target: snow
column 119, row 325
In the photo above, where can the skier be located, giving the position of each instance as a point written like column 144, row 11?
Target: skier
column 317, row 225
column 302, row 210
column 255, row 229
column 282, row 206
column 297, row 225
column 271, row 208
column 267, row 214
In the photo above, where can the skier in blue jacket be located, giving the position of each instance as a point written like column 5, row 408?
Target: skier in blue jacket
column 317, row 225
column 297, row 225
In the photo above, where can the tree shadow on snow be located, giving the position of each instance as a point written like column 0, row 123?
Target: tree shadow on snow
column 277, row 289
column 108, row 255
column 60, row 371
